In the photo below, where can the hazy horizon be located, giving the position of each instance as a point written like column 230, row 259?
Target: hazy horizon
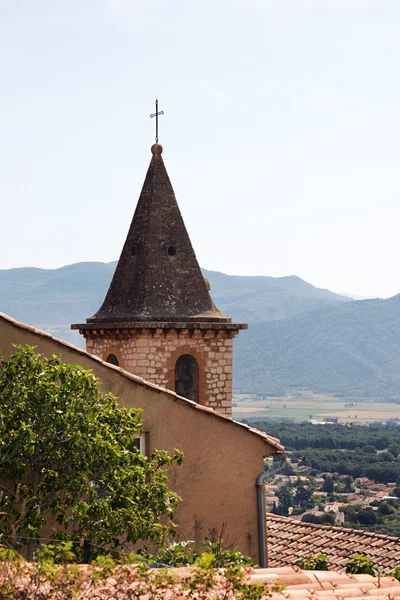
column 342, row 293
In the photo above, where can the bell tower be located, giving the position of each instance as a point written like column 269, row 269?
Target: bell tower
column 158, row 320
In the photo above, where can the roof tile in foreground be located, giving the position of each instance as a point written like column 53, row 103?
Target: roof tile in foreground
column 289, row 540
column 292, row 584
column 274, row 442
column 298, row 584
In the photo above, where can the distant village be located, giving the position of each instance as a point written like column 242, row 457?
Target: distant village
column 328, row 498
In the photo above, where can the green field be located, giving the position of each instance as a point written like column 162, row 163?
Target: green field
column 305, row 405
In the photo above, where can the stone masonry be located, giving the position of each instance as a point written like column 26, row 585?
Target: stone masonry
column 152, row 354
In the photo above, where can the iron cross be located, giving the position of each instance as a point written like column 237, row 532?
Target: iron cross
column 156, row 116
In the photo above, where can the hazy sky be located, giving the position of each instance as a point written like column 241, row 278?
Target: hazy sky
column 281, row 132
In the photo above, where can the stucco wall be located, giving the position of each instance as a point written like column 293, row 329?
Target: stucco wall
column 222, row 459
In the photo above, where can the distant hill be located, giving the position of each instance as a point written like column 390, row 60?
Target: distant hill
column 259, row 299
column 52, row 299
column 349, row 349
column 300, row 336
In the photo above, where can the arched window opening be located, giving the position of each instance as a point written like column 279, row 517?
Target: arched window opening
column 187, row 377
column 112, row 359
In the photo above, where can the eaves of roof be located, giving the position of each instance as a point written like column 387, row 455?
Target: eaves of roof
column 271, row 441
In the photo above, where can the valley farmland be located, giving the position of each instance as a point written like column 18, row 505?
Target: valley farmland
column 305, row 406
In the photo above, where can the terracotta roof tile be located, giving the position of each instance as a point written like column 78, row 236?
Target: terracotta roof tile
column 289, row 540
column 274, row 442
column 326, row 584
column 297, row 584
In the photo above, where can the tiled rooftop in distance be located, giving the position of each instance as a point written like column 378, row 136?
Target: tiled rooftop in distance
column 290, row 540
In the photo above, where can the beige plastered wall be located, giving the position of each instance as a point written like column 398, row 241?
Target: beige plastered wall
column 221, row 459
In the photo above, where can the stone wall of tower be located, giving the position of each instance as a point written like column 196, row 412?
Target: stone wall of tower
column 152, row 354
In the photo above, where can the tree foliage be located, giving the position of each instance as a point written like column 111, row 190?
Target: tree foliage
column 285, row 499
column 321, row 447
column 335, row 452
column 325, row 519
column 328, row 485
column 366, row 516
column 359, row 564
column 298, row 436
column 303, row 494
column 318, row 562
column 68, row 460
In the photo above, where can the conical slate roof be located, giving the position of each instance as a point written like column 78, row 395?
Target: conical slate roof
column 157, row 277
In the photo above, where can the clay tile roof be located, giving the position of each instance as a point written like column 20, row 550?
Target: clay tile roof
column 271, row 441
column 294, row 584
column 289, row 540
column 325, row 585
column 157, row 277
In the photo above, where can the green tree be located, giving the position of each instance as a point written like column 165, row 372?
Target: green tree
column 71, row 452
column 369, row 449
column 310, row 518
column 328, row 485
column 351, row 513
column 366, row 516
column 385, row 509
column 285, row 498
column 327, row 518
column 303, row 495
column 387, row 456
column 348, row 484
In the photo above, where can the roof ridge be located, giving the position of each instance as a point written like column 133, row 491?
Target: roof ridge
column 185, row 401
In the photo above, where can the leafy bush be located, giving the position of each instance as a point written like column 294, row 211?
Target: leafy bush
column 395, row 573
column 45, row 580
column 318, row 562
column 359, row 563
column 224, row 557
column 211, row 552
column 177, row 554
column 325, row 519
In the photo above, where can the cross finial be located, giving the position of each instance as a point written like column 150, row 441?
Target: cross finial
column 156, row 116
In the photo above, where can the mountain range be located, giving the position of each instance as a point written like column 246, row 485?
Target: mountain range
column 299, row 336
column 351, row 349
